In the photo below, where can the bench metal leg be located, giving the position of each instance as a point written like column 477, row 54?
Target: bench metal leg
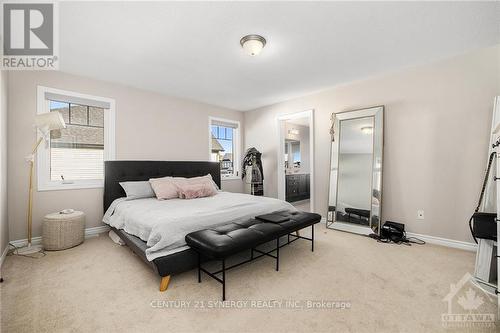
column 312, row 238
column 277, row 254
column 223, row 279
column 199, row 267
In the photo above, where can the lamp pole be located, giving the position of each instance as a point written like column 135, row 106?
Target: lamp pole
column 30, row 197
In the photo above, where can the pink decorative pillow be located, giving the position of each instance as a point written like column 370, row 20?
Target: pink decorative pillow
column 165, row 188
column 200, row 190
column 206, row 180
column 169, row 187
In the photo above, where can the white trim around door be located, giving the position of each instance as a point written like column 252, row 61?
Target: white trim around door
column 280, row 121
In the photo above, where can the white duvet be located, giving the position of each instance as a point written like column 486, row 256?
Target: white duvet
column 163, row 224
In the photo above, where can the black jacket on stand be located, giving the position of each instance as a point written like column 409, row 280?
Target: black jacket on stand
column 248, row 161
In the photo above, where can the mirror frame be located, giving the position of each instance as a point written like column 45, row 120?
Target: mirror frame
column 375, row 220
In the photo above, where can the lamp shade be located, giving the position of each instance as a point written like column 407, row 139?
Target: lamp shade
column 49, row 121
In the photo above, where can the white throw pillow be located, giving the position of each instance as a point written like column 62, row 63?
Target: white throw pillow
column 138, row 190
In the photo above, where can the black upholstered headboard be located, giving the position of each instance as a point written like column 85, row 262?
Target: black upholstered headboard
column 121, row 171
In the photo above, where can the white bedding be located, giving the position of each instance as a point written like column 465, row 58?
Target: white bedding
column 163, row 224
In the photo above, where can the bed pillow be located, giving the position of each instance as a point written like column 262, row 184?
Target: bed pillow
column 207, row 179
column 137, row 190
column 165, row 188
column 169, row 187
column 199, row 190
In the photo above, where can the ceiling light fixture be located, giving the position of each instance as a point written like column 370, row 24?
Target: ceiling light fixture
column 367, row 129
column 253, row 44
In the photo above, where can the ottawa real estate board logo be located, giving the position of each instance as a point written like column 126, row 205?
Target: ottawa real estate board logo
column 470, row 308
column 29, row 36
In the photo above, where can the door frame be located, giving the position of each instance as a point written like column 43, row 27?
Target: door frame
column 280, row 121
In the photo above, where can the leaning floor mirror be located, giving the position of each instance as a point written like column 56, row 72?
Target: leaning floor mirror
column 355, row 194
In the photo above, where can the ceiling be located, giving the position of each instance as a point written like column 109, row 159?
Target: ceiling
column 191, row 49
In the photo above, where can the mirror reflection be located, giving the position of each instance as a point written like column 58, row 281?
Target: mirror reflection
column 296, row 175
column 292, row 154
column 356, row 170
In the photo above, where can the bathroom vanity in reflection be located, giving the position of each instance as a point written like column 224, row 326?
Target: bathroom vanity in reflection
column 297, row 187
column 297, row 184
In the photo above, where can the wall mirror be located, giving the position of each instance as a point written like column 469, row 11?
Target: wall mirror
column 292, row 153
column 355, row 194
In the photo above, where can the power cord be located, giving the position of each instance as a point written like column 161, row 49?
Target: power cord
column 414, row 240
column 398, row 240
column 14, row 251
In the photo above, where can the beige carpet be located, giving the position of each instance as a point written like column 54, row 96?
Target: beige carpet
column 102, row 287
column 303, row 205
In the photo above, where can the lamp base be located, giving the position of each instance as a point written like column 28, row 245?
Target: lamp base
column 29, row 249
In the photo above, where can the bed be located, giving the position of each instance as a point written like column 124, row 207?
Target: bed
column 162, row 245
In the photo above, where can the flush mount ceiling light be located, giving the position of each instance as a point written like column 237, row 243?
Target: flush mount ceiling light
column 253, row 44
column 367, row 129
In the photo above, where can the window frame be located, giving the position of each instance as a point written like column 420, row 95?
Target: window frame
column 236, row 143
column 44, row 183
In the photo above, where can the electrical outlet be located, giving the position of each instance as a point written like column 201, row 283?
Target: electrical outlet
column 330, row 216
column 420, row 214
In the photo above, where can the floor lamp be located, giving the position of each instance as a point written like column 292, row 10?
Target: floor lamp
column 45, row 123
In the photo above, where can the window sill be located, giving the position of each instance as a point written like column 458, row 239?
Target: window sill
column 73, row 186
column 230, row 178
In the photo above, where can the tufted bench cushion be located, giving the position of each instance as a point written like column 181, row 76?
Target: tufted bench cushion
column 294, row 221
column 224, row 241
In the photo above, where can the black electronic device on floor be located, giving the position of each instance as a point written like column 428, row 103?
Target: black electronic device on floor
column 394, row 232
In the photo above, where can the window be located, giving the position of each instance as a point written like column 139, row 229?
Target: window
column 225, row 146
column 74, row 157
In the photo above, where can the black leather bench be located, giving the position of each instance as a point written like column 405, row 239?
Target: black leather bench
column 360, row 212
column 222, row 242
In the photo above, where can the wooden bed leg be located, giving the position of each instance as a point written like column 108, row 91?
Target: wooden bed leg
column 297, row 233
column 164, row 282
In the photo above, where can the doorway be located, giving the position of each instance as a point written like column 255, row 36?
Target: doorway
column 296, row 159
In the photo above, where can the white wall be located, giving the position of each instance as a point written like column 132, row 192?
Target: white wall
column 4, row 225
column 437, row 123
column 149, row 126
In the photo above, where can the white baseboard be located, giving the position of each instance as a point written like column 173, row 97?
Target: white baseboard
column 428, row 239
column 89, row 233
column 445, row 242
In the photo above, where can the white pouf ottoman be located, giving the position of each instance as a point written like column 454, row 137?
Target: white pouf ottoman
column 62, row 231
